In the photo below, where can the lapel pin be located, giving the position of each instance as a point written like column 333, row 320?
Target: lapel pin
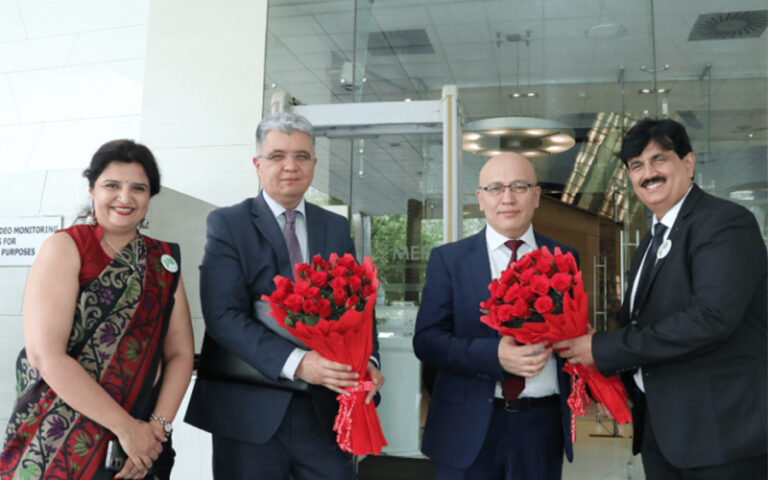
column 664, row 249
column 169, row 263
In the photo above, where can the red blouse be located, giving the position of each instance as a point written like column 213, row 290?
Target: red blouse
column 93, row 258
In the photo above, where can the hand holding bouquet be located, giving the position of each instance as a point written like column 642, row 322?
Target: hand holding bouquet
column 329, row 307
column 541, row 297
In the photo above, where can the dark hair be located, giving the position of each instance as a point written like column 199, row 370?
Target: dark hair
column 126, row 151
column 669, row 134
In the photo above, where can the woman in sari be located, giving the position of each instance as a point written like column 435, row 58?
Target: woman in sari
column 108, row 341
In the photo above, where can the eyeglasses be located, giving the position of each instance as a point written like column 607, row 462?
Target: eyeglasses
column 497, row 189
column 300, row 157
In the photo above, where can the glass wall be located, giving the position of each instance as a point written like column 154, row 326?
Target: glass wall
column 595, row 66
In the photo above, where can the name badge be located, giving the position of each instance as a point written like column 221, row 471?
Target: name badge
column 664, row 249
column 169, row 263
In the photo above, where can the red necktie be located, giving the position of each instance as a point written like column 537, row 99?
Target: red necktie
column 513, row 384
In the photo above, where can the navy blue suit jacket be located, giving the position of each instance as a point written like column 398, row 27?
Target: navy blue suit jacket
column 700, row 335
column 449, row 336
column 244, row 251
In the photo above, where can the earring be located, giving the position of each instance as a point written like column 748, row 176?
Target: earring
column 90, row 219
column 144, row 224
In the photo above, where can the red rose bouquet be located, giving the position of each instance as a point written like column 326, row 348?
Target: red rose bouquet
column 541, row 297
column 329, row 307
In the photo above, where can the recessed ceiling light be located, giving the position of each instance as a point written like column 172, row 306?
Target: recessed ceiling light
column 606, row 30
column 498, row 131
column 742, row 195
column 471, row 136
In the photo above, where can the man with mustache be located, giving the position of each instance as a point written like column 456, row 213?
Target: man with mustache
column 498, row 409
column 692, row 344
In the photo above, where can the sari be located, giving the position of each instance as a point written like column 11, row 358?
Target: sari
column 117, row 335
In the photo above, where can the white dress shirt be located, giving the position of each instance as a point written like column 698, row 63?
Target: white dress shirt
column 545, row 383
column 292, row 363
column 668, row 221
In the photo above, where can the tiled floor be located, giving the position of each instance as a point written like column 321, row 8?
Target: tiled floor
column 601, row 453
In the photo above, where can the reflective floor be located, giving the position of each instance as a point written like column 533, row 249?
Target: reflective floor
column 603, row 451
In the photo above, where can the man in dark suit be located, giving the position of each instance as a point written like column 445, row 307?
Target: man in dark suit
column 480, row 426
column 266, row 430
column 692, row 344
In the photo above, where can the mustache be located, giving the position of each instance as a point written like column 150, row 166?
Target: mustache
column 652, row 180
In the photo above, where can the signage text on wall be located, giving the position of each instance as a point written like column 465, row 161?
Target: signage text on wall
column 21, row 237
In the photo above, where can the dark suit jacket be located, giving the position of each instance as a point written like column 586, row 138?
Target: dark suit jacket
column 450, row 337
column 700, row 336
column 244, row 250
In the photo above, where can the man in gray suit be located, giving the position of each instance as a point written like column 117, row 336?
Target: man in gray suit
column 271, row 429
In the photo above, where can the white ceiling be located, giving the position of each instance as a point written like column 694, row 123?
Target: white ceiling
column 575, row 76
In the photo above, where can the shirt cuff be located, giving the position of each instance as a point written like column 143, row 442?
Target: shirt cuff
column 292, row 363
column 375, row 362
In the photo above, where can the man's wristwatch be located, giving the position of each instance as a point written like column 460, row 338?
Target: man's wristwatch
column 167, row 427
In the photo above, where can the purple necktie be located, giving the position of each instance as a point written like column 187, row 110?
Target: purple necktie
column 291, row 240
column 513, row 384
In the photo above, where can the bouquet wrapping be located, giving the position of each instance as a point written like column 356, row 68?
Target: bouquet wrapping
column 541, row 297
column 329, row 307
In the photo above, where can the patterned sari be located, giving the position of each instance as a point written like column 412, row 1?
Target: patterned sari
column 117, row 336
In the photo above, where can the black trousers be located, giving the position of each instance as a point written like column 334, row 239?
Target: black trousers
column 658, row 468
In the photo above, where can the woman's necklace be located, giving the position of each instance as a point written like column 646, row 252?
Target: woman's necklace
column 123, row 256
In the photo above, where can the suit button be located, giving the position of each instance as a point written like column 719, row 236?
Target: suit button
column 633, row 322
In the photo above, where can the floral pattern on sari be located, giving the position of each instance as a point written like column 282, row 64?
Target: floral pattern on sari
column 116, row 336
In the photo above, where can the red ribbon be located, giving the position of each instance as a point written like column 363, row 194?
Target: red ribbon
column 578, row 398
column 343, row 424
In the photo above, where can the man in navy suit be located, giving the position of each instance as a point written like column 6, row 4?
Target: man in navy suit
column 267, row 430
column 692, row 344
column 472, row 431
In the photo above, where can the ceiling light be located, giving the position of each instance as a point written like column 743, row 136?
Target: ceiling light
column 606, row 30
column 515, row 95
column 531, row 137
column 536, row 132
column 646, row 91
column 531, row 94
column 408, row 99
column 742, row 195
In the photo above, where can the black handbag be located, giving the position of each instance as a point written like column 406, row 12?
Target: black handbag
column 219, row 364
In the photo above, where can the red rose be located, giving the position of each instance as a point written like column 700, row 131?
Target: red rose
column 339, row 271
column 536, row 255
column 338, row 283
column 523, row 263
column 505, row 313
column 339, row 296
column 526, row 276
column 318, row 262
column 561, row 281
column 313, row 292
column 352, row 301
column 520, row 309
column 508, row 276
column 319, row 278
column 293, row 302
column 324, row 308
column 497, row 289
column 565, row 263
column 354, row 282
column 348, row 261
column 512, row 293
column 309, row 307
column 302, row 288
column 303, row 270
column 368, row 290
column 284, row 283
column 545, row 267
column 278, row 295
column 540, row 285
column 544, row 305
column 526, row 294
